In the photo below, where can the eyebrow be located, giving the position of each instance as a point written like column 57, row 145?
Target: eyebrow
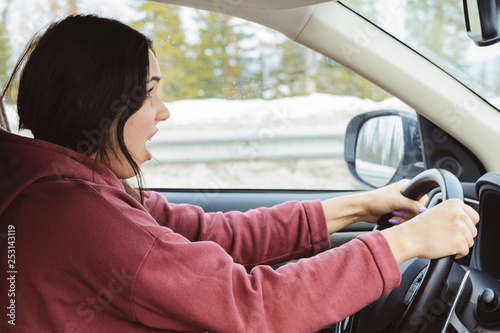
column 155, row 78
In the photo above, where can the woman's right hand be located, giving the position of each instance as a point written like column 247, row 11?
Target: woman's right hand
column 446, row 229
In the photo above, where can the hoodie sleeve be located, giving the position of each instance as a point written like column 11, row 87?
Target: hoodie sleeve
column 259, row 236
column 196, row 286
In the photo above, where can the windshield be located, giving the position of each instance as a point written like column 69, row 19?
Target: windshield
column 436, row 29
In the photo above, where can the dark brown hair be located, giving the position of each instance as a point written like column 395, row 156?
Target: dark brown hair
column 81, row 77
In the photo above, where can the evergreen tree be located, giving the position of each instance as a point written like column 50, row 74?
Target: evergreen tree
column 4, row 69
column 5, row 48
column 252, row 70
column 439, row 15
column 5, row 54
column 214, row 66
column 227, row 68
column 290, row 75
column 338, row 80
column 162, row 24
column 302, row 72
column 252, row 66
column 231, row 59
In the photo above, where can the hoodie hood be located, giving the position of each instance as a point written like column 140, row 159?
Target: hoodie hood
column 24, row 161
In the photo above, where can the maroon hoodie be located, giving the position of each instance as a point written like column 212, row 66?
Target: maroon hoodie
column 78, row 254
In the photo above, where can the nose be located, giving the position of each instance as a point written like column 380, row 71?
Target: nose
column 162, row 113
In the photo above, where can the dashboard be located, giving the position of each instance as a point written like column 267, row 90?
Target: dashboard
column 476, row 305
column 486, row 254
column 468, row 297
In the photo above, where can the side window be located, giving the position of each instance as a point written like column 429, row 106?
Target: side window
column 249, row 108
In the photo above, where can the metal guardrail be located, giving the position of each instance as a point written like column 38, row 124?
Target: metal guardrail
column 227, row 145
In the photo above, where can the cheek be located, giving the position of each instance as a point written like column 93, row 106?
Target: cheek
column 129, row 132
column 137, row 128
column 132, row 136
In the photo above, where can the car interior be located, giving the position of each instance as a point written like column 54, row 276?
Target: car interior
column 456, row 135
column 447, row 146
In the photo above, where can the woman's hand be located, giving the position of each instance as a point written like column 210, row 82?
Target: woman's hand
column 370, row 206
column 389, row 199
column 446, row 229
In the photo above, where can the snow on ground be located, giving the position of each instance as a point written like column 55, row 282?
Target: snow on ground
column 300, row 111
column 214, row 118
column 217, row 117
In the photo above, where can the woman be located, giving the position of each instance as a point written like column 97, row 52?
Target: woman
column 94, row 255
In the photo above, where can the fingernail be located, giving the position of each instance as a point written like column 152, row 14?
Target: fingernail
column 397, row 213
column 422, row 209
column 393, row 221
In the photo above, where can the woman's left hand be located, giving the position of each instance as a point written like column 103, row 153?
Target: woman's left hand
column 370, row 206
column 389, row 199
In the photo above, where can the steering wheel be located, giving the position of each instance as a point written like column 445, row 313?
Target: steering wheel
column 438, row 269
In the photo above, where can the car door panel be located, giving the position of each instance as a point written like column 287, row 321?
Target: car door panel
column 212, row 200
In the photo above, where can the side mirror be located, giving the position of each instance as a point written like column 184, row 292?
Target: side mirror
column 382, row 147
column 482, row 21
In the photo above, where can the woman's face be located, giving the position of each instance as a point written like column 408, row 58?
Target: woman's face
column 141, row 126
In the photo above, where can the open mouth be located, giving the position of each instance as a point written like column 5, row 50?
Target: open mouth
column 149, row 155
column 151, row 137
